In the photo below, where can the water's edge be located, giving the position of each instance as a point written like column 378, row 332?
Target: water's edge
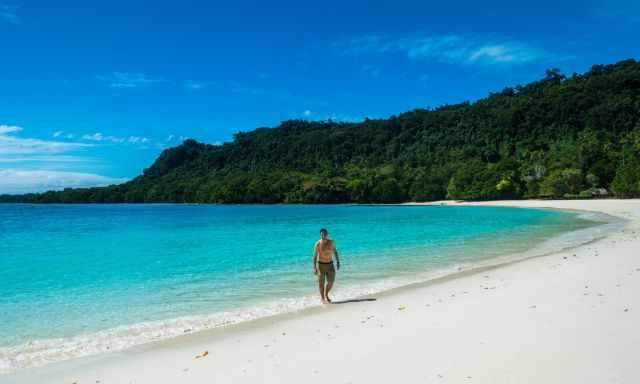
column 41, row 352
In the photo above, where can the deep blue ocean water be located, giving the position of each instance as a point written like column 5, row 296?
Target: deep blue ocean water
column 81, row 279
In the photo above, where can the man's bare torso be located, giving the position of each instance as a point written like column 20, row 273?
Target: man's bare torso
column 326, row 249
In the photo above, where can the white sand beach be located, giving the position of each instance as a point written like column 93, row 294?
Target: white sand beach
column 568, row 317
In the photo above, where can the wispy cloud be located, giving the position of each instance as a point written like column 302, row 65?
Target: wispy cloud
column 62, row 134
column 99, row 137
column 38, row 165
column 14, row 181
column 137, row 139
column 26, row 154
column 4, row 129
column 198, row 85
column 11, row 144
column 48, row 159
column 174, row 138
column 455, row 49
column 8, row 14
column 129, row 80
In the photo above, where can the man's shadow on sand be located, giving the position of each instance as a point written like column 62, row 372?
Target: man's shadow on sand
column 353, row 301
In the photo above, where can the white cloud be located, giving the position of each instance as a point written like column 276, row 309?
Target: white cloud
column 455, row 49
column 8, row 14
column 307, row 112
column 137, row 139
column 129, row 80
column 198, row 85
column 115, row 139
column 93, row 137
column 37, row 165
column 133, row 139
column 15, row 181
column 98, row 136
column 170, row 137
column 9, row 129
column 47, row 159
column 15, row 145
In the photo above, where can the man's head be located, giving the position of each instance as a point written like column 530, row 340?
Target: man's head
column 323, row 233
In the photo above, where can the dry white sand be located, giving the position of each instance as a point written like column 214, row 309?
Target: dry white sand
column 570, row 317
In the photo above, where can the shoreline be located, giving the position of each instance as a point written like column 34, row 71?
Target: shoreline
column 117, row 339
column 112, row 364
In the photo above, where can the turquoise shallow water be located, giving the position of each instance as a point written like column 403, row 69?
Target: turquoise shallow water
column 82, row 279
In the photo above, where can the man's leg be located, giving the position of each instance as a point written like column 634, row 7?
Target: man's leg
column 321, row 286
column 326, row 291
column 331, row 276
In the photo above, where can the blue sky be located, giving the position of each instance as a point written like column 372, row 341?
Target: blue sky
column 91, row 92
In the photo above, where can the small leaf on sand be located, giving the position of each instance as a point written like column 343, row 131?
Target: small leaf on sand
column 402, row 308
column 205, row 353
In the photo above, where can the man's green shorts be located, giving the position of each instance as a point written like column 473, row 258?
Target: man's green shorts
column 326, row 271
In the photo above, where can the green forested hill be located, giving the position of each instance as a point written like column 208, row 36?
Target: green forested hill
column 556, row 137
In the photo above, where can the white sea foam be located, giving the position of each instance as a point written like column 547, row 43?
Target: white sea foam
column 40, row 352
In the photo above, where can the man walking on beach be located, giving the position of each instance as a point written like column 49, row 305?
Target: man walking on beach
column 323, row 252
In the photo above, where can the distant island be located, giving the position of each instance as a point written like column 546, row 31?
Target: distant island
column 559, row 137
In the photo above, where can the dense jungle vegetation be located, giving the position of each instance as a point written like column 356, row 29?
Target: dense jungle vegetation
column 561, row 136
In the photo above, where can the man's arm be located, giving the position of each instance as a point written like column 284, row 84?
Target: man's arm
column 315, row 258
column 335, row 251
